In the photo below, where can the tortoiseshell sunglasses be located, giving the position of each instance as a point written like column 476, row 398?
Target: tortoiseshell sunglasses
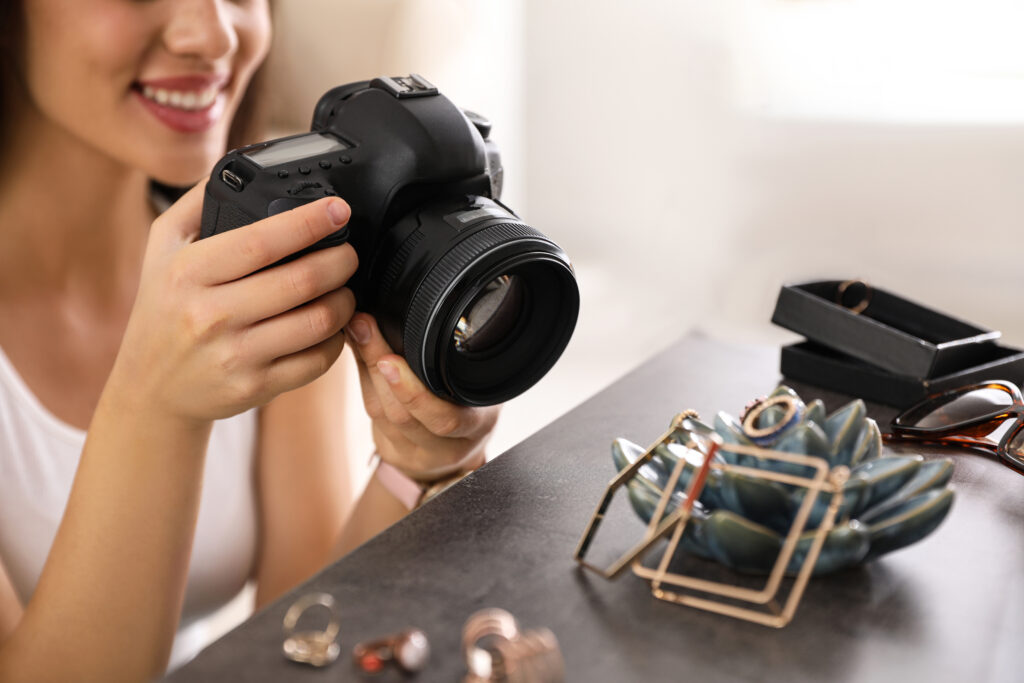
column 987, row 416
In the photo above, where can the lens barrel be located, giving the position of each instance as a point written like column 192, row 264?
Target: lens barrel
column 435, row 280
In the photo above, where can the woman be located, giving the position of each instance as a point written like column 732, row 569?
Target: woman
column 143, row 374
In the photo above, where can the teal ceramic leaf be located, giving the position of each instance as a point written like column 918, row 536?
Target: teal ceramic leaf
column 842, row 428
column 816, row 413
column 844, row 546
column 910, row 522
column 756, row 498
column 888, row 502
column 739, row 543
column 885, row 476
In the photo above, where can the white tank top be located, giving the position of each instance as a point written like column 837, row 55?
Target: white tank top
column 39, row 454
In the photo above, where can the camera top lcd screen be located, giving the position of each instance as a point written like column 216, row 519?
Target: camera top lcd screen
column 294, row 149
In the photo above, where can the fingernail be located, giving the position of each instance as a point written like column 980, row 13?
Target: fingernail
column 360, row 331
column 389, row 371
column 338, row 211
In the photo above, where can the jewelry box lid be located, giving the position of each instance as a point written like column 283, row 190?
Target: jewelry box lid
column 881, row 328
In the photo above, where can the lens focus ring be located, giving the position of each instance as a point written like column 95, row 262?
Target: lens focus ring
column 450, row 267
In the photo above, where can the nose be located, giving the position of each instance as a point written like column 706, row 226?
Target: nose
column 200, row 28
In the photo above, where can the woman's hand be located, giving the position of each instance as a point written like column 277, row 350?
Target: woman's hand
column 414, row 430
column 211, row 334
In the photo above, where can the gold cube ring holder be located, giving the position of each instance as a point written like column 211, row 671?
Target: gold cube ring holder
column 760, row 606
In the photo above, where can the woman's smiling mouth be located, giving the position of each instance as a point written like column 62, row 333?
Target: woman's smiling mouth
column 186, row 104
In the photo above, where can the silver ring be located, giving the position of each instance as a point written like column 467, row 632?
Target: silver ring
column 316, row 648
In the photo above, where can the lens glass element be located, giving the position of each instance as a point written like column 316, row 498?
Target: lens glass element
column 491, row 316
column 480, row 311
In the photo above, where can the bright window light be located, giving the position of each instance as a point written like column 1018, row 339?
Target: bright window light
column 919, row 61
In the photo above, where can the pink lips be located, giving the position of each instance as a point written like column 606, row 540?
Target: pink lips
column 183, row 120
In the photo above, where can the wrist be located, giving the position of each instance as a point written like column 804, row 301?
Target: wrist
column 413, row 492
column 124, row 402
column 427, row 476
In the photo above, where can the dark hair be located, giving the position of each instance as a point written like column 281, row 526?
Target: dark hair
column 11, row 30
column 247, row 127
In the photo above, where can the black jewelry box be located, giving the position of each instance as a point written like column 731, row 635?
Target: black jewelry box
column 827, row 368
column 894, row 351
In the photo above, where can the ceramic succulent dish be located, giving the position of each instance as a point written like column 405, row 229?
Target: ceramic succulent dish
column 740, row 521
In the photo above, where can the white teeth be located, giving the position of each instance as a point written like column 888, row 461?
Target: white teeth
column 189, row 100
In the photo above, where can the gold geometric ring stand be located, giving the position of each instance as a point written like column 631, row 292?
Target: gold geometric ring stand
column 680, row 427
column 684, row 431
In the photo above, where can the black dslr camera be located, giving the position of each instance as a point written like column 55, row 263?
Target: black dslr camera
column 480, row 304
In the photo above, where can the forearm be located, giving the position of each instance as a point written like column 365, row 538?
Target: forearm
column 107, row 604
column 384, row 501
column 376, row 510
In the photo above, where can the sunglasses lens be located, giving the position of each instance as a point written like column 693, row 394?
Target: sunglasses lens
column 957, row 409
column 1016, row 447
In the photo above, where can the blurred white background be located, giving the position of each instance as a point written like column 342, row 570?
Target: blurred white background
column 693, row 155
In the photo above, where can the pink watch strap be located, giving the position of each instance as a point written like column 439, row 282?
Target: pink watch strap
column 403, row 488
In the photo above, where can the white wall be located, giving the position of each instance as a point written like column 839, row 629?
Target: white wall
column 690, row 167
column 470, row 50
column 931, row 212
column 648, row 155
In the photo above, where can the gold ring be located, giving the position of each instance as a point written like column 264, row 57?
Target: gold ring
column 750, row 419
column 862, row 304
column 316, row 648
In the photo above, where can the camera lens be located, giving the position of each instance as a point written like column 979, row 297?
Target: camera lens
column 481, row 310
column 491, row 316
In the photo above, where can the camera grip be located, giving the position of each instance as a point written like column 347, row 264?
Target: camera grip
column 221, row 216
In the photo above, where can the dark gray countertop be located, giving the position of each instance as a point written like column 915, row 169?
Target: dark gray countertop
column 950, row 608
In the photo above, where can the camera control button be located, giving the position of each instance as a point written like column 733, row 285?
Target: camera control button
column 283, row 204
column 345, row 159
column 304, row 170
column 305, row 188
column 481, row 123
column 324, row 164
column 282, row 173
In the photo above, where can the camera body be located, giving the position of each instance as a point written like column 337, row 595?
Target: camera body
column 423, row 182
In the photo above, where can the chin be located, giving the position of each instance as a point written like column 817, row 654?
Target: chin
column 183, row 180
column 183, row 172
